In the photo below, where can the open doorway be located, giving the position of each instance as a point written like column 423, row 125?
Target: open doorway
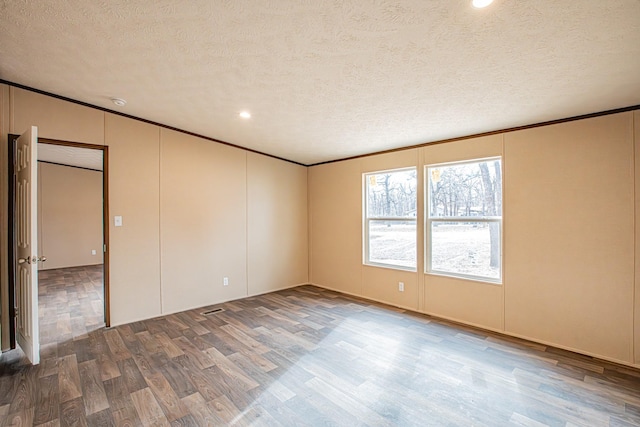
column 70, row 235
column 73, row 286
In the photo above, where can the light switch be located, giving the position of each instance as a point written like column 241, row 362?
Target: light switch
column 93, row 252
column 117, row 220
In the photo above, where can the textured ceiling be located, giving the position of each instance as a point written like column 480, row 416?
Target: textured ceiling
column 70, row 156
column 328, row 79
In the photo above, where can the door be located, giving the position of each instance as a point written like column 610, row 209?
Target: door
column 26, row 237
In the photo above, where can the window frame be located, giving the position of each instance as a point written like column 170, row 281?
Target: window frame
column 429, row 220
column 366, row 220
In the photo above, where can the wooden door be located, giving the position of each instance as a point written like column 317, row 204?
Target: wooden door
column 26, row 236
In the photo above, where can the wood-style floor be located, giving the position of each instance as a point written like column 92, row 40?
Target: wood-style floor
column 70, row 303
column 309, row 357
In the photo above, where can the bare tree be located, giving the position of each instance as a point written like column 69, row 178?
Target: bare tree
column 387, row 195
column 490, row 186
column 392, row 194
column 468, row 190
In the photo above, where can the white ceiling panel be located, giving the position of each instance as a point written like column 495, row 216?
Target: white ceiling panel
column 70, row 156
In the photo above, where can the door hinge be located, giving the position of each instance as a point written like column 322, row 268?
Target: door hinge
column 16, row 310
column 104, row 248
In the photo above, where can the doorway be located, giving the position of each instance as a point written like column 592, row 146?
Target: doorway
column 74, row 285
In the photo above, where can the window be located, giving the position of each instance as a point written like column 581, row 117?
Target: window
column 390, row 218
column 464, row 221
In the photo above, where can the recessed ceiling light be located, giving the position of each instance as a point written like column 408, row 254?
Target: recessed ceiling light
column 245, row 115
column 479, row 4
column 119, row 102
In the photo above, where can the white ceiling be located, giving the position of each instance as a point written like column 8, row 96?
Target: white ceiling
column 327, row 79
column 70, row 156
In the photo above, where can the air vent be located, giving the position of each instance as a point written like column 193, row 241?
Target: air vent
column 214, row 311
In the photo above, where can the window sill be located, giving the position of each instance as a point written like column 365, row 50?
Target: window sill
column 391, row 267
column 486, row 281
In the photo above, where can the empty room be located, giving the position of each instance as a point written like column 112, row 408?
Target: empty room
column 383, row 213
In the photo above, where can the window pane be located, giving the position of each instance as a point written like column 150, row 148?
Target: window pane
column 465, row 189
column 392, row 194
column 468, row 248
column 393, row 242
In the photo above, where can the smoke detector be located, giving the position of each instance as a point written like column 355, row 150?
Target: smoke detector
column 119, row 102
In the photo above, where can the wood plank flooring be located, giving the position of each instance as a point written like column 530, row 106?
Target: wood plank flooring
column 70, row 303
column 309, row 357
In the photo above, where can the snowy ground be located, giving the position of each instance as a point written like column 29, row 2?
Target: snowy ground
column 460, row 248
column 463, row 249
column 394, row 244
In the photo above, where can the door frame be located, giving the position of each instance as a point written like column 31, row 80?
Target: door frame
column 11, row 253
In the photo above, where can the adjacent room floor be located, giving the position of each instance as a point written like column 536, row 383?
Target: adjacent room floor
column 304, row 356
column 70, row 303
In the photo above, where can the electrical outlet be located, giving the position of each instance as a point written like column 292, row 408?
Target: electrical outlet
column 93, row 252
column 225, row 281
column 401, row 286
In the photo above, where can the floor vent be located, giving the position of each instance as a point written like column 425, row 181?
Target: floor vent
column 214, row 311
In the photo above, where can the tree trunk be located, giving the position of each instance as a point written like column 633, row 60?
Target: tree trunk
column 498, row 187
column 387, row 196
column 490, row 210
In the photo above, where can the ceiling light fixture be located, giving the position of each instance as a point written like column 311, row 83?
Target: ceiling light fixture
column 245, row 115
column 479, row 4
column 119, row 102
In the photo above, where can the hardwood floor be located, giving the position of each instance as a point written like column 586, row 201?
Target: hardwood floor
column 308, row 356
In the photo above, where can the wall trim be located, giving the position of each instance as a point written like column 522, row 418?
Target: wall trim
column 489, row 133
column 497, row 332
column 393, row 150
column 151, row 122
column 211, row 305
column 351, row 294
column 282, row 288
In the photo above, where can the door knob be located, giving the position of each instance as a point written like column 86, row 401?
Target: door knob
column 42, row 259
column 23, row 260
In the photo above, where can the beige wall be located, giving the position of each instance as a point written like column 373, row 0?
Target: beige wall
column 569, row 244
column 54, row 118
column 277, row 224
column 168, row 186
column 567, row 233
column 69, row 216
column 203, row 204
column 134, row 194
column 335, row 192
column 636, row 329
column 335, row 222
column 4, row 289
